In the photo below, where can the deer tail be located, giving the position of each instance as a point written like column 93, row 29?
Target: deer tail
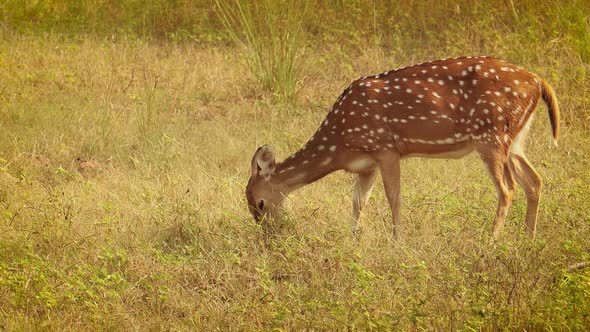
column 550, row 99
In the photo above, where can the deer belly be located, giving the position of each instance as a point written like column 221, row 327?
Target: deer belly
column 455, row 151
column 360, row 164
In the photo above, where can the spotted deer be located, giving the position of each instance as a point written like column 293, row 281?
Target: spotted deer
column 440, row 109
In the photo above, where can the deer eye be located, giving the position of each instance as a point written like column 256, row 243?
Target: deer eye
column 261, row 205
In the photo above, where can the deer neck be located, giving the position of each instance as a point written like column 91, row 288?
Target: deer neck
column 303, row 167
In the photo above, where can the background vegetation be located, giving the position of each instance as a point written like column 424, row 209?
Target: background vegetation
column 126, row 131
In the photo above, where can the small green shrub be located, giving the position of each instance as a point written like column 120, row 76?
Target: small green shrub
column 271, row 35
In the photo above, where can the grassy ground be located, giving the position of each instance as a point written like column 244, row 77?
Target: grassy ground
column 123, row 164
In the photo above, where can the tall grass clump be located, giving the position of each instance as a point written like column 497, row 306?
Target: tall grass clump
column 146, row 115
column 272, row 37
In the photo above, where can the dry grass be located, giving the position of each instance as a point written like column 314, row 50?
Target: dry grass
column 122, row 170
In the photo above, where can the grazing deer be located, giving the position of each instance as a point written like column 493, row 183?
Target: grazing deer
column 440, row 109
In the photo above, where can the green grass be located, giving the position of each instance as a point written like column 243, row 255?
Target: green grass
column 124, row 159
column 272, row 39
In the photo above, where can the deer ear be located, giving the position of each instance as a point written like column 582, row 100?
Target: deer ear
column 263, row 162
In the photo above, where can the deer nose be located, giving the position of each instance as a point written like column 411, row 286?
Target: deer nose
column 257, row 215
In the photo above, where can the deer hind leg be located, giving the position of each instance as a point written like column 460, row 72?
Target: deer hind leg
column 389, row 165
column 503, row 179
column 362, row 190
column 531, row 182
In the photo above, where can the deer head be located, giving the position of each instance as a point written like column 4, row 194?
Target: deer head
column 265, row 199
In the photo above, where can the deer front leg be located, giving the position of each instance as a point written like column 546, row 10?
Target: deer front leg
column 362, row 190
column 389, row 165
